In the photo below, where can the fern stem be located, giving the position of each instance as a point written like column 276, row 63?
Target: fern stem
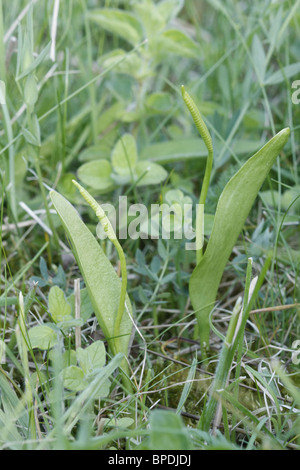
column 102, row 217
column 204, row 132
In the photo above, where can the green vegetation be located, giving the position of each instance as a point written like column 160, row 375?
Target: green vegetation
column 112, row 334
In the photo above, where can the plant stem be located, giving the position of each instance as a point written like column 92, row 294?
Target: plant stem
column 35, row 150
column 122, row 302
column 23, row 350
column 204, row 132
column 102, row 217
column 7, row 124
column 233, row 337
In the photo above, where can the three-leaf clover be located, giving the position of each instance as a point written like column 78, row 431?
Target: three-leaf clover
column 123, row 168
column 46, row 336
column 90, row 360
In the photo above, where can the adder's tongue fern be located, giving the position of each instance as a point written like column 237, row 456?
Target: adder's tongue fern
column 108, row 228
column 201, row 126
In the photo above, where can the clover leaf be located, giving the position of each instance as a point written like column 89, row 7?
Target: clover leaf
column 124, row 168
column 90, row 360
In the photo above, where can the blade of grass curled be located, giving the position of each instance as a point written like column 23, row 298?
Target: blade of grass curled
column 204, row 132
column 105, row 222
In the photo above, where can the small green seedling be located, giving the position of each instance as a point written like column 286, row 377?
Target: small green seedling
column 90, row 361
column 48, row 335
column 232, row 211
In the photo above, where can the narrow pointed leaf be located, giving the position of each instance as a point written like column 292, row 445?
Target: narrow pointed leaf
column 233, row 208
